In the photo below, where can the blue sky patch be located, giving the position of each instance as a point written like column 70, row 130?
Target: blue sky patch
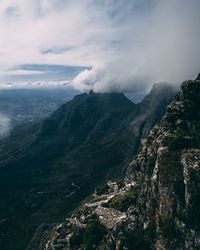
column 43, row 72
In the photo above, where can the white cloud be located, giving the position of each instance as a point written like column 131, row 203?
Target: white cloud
column 38, row 25
column 162, row 44
column 128, row 44
column 21, row 72
column 36, row 84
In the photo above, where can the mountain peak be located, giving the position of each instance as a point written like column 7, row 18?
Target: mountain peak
column 163, row 89
column 106, row 100
column 198, row 77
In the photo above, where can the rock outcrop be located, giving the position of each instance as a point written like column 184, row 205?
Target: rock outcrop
column 168, row 168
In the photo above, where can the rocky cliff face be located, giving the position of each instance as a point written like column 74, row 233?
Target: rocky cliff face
column 168, row 168
column 157, row 205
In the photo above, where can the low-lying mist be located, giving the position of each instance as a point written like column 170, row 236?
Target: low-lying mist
column 5, row 125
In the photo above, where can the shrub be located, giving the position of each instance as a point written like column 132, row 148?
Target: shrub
column 103, row 189
column 136, row 239
column 93, row 235
column 120, row 183
column 178, row 143
column 76, row 239
column 123, row 201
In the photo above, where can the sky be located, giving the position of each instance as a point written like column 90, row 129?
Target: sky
column 104, row 45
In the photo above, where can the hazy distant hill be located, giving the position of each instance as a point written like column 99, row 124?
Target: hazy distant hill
column 24, row 106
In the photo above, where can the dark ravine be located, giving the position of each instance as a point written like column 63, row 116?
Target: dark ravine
column 46, row 170
column 156, row 206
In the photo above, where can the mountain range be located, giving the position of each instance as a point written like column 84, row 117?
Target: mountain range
column 156, row 204
column 48, row 168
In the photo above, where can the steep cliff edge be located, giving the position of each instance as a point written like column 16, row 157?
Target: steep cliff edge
column 168, row 168
column 157, row 205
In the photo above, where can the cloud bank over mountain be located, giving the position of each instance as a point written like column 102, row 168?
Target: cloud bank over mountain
column 123, row 45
